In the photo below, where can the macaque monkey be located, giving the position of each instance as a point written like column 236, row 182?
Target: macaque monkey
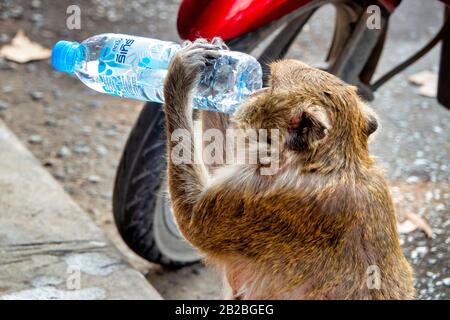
column 323, row 226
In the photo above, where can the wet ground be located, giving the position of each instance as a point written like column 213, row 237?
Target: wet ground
column 78, row 134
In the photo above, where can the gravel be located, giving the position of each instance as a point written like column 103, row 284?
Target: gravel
column 81, row 148
column 446, row 282
column 35, row 4
column 4, row 65
column 59, row 174
column 94, row 179
column 35, row 139
column 101, row 150
column 3, row 105
column 4, row 38
column 36, row 95
column 64, row 152
column 7, row 89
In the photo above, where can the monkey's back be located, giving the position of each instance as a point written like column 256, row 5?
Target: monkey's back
column 304, row 236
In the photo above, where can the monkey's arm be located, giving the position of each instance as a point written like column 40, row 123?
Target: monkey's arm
column 186, row 179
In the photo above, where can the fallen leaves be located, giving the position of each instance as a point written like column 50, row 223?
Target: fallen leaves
column 23, row 50
column 412, row 201
column 427, row 82
column 412, row 222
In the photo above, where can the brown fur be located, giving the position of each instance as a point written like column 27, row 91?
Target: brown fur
column 311, row 230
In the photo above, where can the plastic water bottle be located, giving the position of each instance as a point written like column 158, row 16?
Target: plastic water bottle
column 135, row 67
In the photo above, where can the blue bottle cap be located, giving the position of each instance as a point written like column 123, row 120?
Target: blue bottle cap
column 64, row 54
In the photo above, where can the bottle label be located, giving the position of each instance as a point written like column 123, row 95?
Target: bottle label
column 134, row 67
column 115, row 56
column 121, row 85
column 125, row 53
column 123, row 50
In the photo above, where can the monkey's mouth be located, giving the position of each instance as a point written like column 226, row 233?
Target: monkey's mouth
column 259, row 91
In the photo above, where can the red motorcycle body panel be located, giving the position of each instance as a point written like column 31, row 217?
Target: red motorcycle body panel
column 231, row 18
column 390, row 5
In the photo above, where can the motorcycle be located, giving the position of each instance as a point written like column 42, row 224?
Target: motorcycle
column 141, row 205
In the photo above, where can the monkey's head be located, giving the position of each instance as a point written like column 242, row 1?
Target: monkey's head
column 317, row 114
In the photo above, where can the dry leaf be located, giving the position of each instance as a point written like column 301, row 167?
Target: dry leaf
column 414, row 221
column 23, row 50
column 427, row 81
column 406, row 227
column 429, row 90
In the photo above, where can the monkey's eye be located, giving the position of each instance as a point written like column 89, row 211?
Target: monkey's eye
column 304, row 124
column 327, row 94
column 297, row 122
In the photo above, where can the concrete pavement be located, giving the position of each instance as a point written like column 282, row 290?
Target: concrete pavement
column 49, row 247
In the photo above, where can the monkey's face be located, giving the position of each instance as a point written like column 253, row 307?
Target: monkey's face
column 310, row 108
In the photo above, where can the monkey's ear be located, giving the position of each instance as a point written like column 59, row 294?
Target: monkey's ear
column 308, row 128
column 372, row 124
column 371, row 120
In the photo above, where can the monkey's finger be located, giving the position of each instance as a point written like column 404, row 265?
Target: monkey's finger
column 210, row 61
column 211, row 54
column 201, row 54
column 202, row 45
column 186, row 43
column 201, row 40
column 217, row 41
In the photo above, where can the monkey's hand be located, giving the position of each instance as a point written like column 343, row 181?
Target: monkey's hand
column 185, row 70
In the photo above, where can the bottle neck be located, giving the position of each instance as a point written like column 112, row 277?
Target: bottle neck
column 65, row 54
